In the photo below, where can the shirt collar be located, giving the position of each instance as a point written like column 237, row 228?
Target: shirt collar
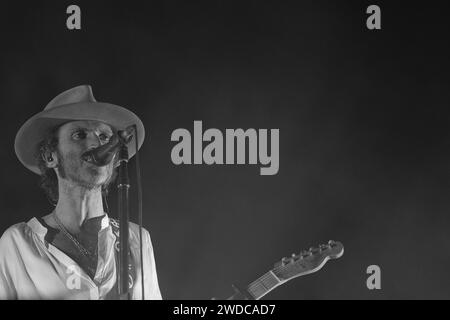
column 41, row 230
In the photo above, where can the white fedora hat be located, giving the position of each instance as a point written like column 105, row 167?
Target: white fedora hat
column 74, row 104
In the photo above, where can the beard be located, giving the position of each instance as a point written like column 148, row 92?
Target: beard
column 81, row 173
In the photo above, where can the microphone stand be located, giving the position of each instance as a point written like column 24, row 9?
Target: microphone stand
column 123, row 185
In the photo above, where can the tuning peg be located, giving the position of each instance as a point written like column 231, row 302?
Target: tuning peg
column 332, row 243
column 291, row 259
column 281, row 263
column 324, row 247
column 305, row 253
column 314, row 250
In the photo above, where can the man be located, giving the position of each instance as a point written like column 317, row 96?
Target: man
column 72, row 253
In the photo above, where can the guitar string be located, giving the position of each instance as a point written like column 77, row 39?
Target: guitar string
column 258, row 283
column 259, row 290
column 266, row 279
column 267, row 275
column 258, row 286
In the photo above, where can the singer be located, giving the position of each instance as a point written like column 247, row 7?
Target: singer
column 71, row 253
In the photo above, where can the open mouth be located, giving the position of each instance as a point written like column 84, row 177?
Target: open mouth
column 89, row 159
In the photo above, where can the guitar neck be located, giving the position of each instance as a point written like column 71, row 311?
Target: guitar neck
column 258, row 288
column 289, row 268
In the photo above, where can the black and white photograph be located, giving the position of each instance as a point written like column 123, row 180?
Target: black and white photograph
column 224, row 150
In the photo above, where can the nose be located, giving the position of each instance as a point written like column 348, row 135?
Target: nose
column 93, row 141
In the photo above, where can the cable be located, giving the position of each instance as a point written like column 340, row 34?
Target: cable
column 139, row 189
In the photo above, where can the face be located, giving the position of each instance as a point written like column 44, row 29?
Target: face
column 75, row 138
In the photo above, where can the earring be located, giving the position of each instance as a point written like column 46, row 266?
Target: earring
column 49, row 158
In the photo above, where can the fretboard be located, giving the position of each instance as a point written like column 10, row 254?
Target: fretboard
column 263, row 285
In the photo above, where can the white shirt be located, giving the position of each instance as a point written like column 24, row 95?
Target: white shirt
column 32, row 268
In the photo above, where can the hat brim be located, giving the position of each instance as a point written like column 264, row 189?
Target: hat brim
column 35, row 129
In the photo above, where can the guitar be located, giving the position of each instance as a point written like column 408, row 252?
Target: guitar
column 297, row 265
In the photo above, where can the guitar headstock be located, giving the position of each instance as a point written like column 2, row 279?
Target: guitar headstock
column 307, row 261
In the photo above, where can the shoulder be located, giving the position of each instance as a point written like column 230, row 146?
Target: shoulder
column 135, row 233
column 14, row 240
column 23, row 236
column 134, row 228
column 15, row 233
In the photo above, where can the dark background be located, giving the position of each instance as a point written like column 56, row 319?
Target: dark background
column 363, row 119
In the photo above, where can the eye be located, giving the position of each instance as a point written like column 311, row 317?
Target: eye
column 104, row 137
column 79, row 135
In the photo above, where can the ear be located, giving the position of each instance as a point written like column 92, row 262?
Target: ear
column 51, row 159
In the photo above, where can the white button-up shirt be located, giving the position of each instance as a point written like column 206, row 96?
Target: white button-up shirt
column 32, row 268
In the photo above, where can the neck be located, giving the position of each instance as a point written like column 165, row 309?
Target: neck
column 76, row 204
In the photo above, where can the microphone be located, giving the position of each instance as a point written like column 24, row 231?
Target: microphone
column 103, row 155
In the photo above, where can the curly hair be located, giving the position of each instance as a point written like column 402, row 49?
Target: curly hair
column 48, row 179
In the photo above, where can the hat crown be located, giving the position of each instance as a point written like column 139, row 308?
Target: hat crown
column 78, row 94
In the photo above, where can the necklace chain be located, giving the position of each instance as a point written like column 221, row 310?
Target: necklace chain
column 80, row 247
